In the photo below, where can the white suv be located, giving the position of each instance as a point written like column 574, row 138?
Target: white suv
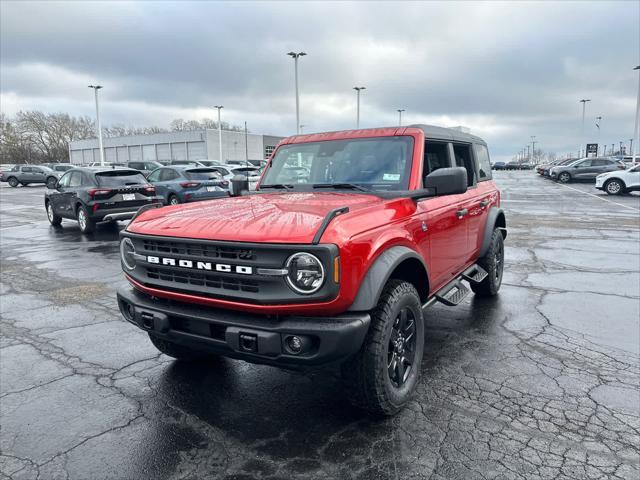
column 622, row 181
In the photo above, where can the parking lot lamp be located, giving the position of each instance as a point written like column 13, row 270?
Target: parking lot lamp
column 295, row 57
column 219, row 107
column 584, row 103
column 99, row 128
column 358, row 89
column 400, row 110
column 636, row 129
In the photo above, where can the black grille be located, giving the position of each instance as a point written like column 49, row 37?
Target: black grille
column 186, row 277
column 198, row 250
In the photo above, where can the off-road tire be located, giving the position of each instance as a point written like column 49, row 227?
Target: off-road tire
column 366, row 375
column 614, row 187
column 176, row 351
column 13, row 182
column 493, row 263
column 173, row 200
column 564, row 177
column 85, row 223
column 54, row 219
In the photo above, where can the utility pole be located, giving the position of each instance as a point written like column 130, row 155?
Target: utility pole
column 95, row 91
column 528, row 154
column 584, row 103
column 400, row 110
column 358, row 89
column 219, row 107
column 246, row 146
column 295, row 57
column 636, row 129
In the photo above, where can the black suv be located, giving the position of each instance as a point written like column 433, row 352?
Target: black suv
column 91, row 195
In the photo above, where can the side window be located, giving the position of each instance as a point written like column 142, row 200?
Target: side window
column 27, row 169
column 600, row 162
column 168, row 174
column 136, row 165
column 154, row 177
column 76, row 179
column 37, row 170
column 585, row 163
column 484, row 164
column 464, row 159
column 436, row 155
column 64, row 181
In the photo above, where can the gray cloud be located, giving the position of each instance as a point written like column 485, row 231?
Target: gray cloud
column 507, row 70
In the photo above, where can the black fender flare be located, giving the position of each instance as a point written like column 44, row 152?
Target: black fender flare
column 378, row 275
column 495, row 219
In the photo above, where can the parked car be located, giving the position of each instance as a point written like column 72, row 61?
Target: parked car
column 245, row 163
column 193, row 163
column 333, row 271
column 585, row 169
column 619, row 182
column 27, row 174
column 499, row 166
column 545, row 170
column 210, row 163
column 92, row 195
column 252, row 174
column 187, row 183
column 144, row 167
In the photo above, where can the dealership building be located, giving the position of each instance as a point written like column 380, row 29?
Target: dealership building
column 182, row 145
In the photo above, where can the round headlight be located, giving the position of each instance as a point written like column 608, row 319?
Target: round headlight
column 127, row 253
column 306, row 273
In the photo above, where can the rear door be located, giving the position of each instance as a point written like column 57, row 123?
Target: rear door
column 70, row 196
column 38, row 175
column 485, row 197
column 582, row 170
column 57, row 198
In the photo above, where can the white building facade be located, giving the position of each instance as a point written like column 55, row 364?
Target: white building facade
column 183, row 145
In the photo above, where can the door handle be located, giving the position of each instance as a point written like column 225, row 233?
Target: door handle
column 484, row 203
column 462, row 212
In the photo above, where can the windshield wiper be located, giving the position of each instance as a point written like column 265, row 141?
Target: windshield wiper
column 351, row 186
column 284, row 186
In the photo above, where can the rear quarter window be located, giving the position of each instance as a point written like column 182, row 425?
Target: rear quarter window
column 484, row 162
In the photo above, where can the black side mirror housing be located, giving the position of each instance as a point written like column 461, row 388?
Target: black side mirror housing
column 447, row 181
column 52, row 187
column 238, row 185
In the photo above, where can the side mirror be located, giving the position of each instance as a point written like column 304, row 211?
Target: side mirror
column 53, row 187
column 238, row 184
column 447, row 181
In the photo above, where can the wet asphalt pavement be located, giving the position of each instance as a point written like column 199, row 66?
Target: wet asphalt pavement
column 540, row 382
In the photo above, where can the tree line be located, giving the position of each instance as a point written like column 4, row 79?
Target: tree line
column 38, row 137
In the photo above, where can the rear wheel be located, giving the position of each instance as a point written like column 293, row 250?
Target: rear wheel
column 614, row 187
column 382, row 377
column 84, row 222
column 564, row 177
column 493, row 263
column 54, row 219
column 13, row 182
column 176, row 351
column 173, row 200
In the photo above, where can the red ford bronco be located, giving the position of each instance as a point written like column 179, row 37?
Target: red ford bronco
column 349, row 237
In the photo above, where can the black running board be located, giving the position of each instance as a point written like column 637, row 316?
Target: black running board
column 455, row 292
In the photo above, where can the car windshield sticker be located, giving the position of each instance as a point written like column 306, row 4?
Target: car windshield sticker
column 391, row 177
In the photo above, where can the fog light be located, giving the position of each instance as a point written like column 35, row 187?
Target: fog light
column 295, row 344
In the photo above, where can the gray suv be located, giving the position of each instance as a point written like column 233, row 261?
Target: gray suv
column 26, row 174
column 585, row 169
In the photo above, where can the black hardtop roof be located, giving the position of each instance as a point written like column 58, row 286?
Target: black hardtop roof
column 451, row 134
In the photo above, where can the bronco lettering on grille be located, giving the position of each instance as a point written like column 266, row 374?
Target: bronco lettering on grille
column 218, row 267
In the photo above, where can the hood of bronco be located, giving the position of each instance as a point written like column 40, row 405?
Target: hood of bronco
column 269, row 217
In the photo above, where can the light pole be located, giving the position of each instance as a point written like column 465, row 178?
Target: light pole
column 598, row 122
column 95, row 91
column 636, row 129
column 295, row 57
column 302, row 128
column 584, row 103
column 400, row 110
column 358, row 89
column 219, row 107
column 533, row 146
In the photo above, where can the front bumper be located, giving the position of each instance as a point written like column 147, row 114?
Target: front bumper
column 225, row 332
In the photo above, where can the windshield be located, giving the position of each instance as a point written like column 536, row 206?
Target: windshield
column 117, row 179
column 380, row 163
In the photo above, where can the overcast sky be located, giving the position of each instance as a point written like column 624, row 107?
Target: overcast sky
column 505, row 70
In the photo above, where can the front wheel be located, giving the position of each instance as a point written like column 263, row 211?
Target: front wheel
column 84, row 222
column 493, row 263
column 564, row 177
column 614, row 187
column 383, row 375
column 54, row 219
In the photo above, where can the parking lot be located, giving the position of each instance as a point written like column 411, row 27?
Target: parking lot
column 540, row 382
